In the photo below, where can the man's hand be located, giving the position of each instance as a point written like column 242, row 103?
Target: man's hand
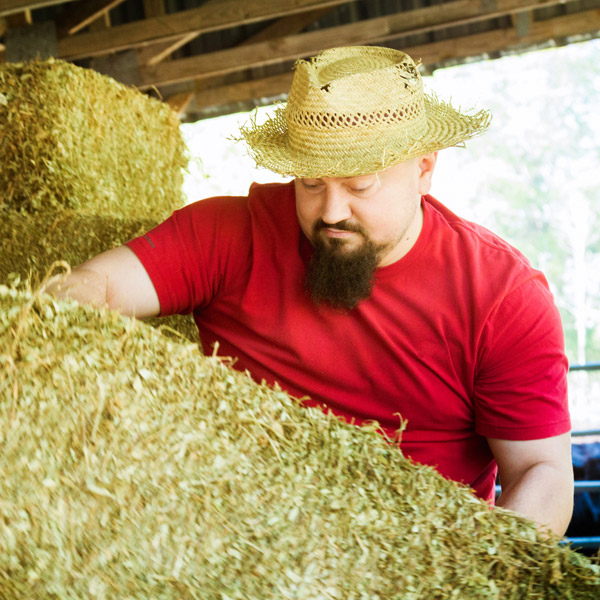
column 537, row 479
column 115, row 279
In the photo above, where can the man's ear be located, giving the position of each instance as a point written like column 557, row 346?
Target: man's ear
column 426, row 166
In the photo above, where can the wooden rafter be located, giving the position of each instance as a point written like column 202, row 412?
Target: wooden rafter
column 284, row 26
column 21, row 19
column 508, row 39
column 460, row 47
column 203, row 88
column 370, row 31
column 266, row 87
column 75, row 18
column 179, row 102
column 154, row 8
column 10, row 7
column 171, row 27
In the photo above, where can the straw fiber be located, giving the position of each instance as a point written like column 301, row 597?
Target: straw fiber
column 31, row 243
column 133, row 467
column 72, row 138
column 353, row 111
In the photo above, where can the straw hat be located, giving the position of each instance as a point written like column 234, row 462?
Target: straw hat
column 353, row 111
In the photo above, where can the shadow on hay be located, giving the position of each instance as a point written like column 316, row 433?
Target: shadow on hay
column 31, row 243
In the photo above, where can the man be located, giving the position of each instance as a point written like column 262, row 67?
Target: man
column 354, row 289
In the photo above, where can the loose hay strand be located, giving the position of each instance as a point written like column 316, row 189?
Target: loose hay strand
column 135, row 467
column 31, row 243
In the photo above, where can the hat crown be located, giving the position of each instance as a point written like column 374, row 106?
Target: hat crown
column 356, row 81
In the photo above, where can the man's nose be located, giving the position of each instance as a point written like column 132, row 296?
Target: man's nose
column 336, row 207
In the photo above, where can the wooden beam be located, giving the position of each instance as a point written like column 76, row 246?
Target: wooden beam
column 10, row 7
column 282, row 27
column 155, row 53
column 152, row 55
column 581, row 23
column 154, row 8
column 370, row 31
column 285, row 26
column 75, row 18
column 430, row 54
column 267, row 87
column 101, row 23
column 231, row 13
column 179, row 102
column 21, row 19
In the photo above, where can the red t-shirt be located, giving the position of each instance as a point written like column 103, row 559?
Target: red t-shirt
column 460, row 337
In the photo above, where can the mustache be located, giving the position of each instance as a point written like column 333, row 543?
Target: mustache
column 344, row 225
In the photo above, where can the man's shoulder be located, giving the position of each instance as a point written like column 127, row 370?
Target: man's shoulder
column 272, row 206
column 275, row 195
column 261, row 200
column 471, row 237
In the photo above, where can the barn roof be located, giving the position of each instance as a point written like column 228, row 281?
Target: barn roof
column 213, row 57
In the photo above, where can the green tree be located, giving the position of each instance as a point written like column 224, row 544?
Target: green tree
column 534, row 178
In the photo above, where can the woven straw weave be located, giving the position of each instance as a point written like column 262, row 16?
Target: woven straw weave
column 353, row 111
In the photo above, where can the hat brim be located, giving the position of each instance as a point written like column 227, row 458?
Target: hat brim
column 269, row 145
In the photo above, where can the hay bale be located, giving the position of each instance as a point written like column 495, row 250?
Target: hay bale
column 31, row 243
column 71, row 137
column 133, row 467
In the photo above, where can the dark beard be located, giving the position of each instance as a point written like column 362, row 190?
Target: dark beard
column 341, row 278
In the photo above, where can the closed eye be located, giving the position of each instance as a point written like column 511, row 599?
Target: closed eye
column 312, row 185
column 363, row 190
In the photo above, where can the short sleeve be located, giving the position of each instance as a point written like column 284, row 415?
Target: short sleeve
column 521, row 380
column 192, row 255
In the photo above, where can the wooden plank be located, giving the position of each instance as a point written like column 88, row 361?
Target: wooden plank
column 231, row 13
column 430, row 54
column 179, row 102
column 282, row 27
column 74, row 18
column 155, row 53
column 370, row 31
column 154, row 8
column 508, row 39
column 9, row 7
column 267, row 87
column 100, row 24
column 287, row 26
column 152, row 55
column 19, row 19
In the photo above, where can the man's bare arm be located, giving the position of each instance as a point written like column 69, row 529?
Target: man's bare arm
column 116, row 279
column 537, row 479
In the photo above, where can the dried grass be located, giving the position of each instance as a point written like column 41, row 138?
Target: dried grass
column 31, row 243
column 72, row 138
column 133, row 467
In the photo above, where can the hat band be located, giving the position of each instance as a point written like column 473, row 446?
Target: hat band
column 329, row 135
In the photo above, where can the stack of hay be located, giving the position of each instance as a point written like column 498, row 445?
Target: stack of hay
column 133, row 467
column 72, row 138
column 87, row 164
